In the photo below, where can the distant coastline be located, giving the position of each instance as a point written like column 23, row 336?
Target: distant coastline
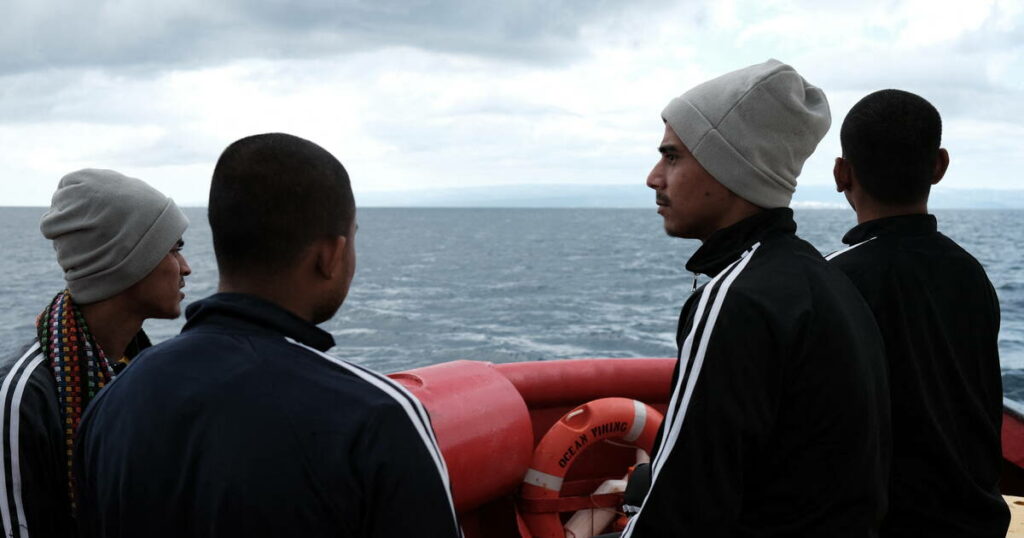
column 638, row 196
column 572, row 196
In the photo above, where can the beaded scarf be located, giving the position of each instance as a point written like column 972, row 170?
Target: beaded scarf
column 78, row 364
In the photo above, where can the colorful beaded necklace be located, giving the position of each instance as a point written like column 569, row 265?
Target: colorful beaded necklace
column 71, row 351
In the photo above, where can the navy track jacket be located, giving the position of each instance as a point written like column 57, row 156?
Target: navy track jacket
column 778, row 425
column 939, row 317
column 243, row 426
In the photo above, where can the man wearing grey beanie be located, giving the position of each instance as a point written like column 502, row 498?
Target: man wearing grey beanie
column 119, row 243
column 778, row 424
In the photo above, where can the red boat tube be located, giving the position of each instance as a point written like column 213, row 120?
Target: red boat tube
column 482, row 425
column 487, row 418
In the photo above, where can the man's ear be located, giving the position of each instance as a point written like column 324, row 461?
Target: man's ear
column 941, row 165
column 330, row 256
column 843, row 174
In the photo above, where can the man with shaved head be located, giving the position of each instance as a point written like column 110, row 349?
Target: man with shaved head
column 939, row 316
column 243, row 425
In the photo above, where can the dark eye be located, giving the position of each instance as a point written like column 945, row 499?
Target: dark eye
column 671, row 158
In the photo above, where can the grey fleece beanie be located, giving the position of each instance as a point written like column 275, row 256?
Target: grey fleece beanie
column 109, row 231
column 752, row 129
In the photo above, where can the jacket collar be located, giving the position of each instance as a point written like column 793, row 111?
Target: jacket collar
column 901, row 225
column 248, row 312
column 724, row 246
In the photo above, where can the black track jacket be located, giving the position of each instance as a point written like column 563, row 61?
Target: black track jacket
column 34, row 501
column 939, row 317
column 778, row 423
column 243, row 426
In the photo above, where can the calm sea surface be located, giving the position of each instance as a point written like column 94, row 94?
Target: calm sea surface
column 506, row 285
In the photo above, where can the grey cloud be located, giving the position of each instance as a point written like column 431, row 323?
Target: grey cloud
column 956, row 76
column 994, row 35
column 80, row 95
column 493, row 107
column 174, row 147
column 503, row 145
column 56, row 34
column 30, row 97
column 870, row 70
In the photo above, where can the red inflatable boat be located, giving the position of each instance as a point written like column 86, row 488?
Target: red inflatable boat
column 528, row 444
column 491, row 421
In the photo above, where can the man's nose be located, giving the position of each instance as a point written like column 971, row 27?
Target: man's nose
column 655, row 177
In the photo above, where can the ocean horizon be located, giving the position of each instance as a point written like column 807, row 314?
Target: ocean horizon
column 507, row 285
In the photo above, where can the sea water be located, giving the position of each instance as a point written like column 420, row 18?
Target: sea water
column 507, row 285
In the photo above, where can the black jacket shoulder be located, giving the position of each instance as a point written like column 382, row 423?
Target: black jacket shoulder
column 939, row 316
column 35, row 466
column 778, row 422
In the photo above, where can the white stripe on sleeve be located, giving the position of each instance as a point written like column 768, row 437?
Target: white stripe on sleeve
column 413, row 408
column 848, row 249
column 670, row 435
column 35, row 356
column 15, row 449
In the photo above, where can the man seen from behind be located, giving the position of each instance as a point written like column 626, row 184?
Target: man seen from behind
column 939, row 317
column 242, row 425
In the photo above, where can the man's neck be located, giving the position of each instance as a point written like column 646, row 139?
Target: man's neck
column 867, row 212
column 112, row 326
column 277, row 290
column 737, row 213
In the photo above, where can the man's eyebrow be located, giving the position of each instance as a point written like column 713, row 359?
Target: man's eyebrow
column 180, row 243
column 668, row 148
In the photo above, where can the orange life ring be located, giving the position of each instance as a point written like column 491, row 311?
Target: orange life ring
column 625, row 419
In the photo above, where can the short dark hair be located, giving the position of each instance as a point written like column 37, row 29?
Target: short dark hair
column 891, row 138
column 271, row 196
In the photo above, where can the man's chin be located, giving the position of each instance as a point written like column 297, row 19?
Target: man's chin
column 675, row 231
column 682, row 233
column 170, row 312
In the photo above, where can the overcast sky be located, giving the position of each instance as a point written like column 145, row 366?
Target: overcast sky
column 420, row 94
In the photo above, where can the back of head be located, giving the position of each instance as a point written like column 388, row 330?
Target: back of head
column 272, row 195
column 891, row 139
